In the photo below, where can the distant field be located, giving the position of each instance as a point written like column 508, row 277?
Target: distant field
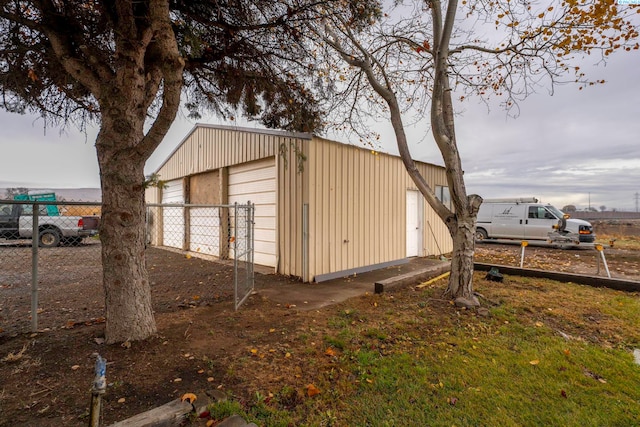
column 617, row 227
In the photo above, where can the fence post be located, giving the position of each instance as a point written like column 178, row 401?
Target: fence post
column 235, row 255
column 250, row 242
column 35, row 243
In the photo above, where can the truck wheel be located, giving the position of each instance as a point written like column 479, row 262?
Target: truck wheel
column 49, row 238
column 72, row 241
column 481, row 235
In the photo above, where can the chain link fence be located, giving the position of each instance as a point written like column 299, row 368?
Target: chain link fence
column 46, row 244
column 51, row 246
column 217, row 232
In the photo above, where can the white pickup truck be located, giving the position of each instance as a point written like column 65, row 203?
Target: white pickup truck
column 16, row 222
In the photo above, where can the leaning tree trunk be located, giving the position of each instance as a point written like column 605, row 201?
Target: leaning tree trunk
column 122, row 232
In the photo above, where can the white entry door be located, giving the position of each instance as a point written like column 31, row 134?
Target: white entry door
column 414, row 223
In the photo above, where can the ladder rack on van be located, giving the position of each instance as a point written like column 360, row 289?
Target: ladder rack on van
column 512, row 200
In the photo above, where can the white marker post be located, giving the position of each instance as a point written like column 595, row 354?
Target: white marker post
column 524, row 244
column 600, row 249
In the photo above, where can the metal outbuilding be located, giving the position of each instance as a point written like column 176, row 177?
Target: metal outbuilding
column 323, row 209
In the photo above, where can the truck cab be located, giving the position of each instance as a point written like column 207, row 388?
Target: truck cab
column 9, row 217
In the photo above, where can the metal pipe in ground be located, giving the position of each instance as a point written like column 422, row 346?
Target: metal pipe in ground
column 35, row 243
column 97, row 390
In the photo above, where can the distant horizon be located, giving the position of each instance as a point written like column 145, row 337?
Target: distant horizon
column 80, row 194
column 76, row 194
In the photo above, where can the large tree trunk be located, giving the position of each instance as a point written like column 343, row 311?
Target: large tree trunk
column 125, row 279
column 462, row 230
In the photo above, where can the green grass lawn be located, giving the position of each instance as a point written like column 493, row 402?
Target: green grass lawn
column 549, row 354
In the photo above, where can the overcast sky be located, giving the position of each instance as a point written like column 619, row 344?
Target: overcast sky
column 575, row 147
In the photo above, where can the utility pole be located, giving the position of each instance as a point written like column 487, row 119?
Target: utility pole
column 637, row 197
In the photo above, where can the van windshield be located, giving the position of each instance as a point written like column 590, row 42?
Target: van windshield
column 557, row 212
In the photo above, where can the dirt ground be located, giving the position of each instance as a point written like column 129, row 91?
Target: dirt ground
column 45, row 377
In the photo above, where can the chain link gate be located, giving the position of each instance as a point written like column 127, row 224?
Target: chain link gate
column 243, row 251
column 224, row 232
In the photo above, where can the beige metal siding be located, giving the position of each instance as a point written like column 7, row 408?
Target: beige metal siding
column 213, row 148
column 208, row 148
column 352, row 196
column 357, row 204
column 291, row 198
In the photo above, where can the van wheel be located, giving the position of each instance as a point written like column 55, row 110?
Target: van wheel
column 49, row 239
column 481, row 235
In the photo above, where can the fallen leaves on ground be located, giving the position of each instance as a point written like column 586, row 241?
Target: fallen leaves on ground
column 312, row 390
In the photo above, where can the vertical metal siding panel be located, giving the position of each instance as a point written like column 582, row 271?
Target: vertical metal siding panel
column 291, row 213
column 297, row 208
column 310, row 171
column 392, row 219
column 380, row 188
column 375, row 179
column 383, row 190
column 366, row 198
column 399, row 186
column 340, row 208
column 363, row 223
column 387, row 223
column 322, row 184
column 235, row 150
column 318, row 249
column 280, row 215
column 350, row 201
column 315, row 241
column 331, row 212
column 357, row 233
column 347, row 205
column 285, row 211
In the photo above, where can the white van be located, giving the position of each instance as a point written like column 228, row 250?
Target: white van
column 526, row 219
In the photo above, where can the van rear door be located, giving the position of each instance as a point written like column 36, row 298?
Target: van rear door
column 539, row 223
column 508, row 221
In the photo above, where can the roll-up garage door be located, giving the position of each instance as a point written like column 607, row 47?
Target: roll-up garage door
column 173, row 217
column 204, row 230
column 256, row 182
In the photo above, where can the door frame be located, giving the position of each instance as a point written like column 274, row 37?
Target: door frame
column 418, row 215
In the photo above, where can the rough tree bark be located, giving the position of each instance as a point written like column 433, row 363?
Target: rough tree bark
column 125, row 279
